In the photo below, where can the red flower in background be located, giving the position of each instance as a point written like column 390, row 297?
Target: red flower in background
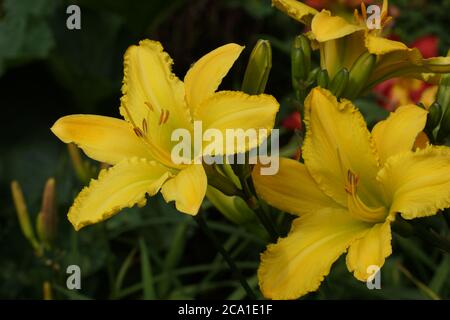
column 395, row 92
column 325, row 4
column 428, row 46
column 293, row 121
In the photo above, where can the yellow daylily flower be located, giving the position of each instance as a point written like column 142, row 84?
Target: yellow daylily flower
column 342, row 41
column 154, row 104
column 348, row 192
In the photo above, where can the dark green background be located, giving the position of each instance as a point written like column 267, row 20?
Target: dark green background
column 47, row 71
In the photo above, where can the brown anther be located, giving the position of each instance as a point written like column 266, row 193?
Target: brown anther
column 144, row 125
column 386, row 21
column 138, row 132
column 149, row 106
column 364, row 10
column 356, row 16
column 161, row 117
column 352, row 182
column 166, row 118
column 383, row 15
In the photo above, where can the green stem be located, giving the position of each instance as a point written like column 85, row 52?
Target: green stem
column 252, row 201
column 203, row 225
column 431, row 237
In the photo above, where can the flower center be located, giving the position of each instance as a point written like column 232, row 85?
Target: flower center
column 362, row 19
column 357, row 207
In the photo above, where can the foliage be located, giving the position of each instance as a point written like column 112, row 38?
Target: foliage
column 155, row 252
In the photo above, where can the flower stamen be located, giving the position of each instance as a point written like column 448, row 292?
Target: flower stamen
column 357, row 207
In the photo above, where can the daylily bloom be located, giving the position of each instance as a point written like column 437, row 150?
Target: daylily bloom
column 320, row 4
column 293, row 121
column 341, row 42
column 400, row 91
column 348, row 192
column 155, row 103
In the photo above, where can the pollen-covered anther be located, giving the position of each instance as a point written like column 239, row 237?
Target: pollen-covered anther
column 163, row 117
column 149, row 106
column 138, row 132
column 364, row 10
column 352, row 182
column 144, row 126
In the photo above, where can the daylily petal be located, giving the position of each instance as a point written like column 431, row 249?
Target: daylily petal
column 104, row 139
column 385, row 8
column 187, row 189
column 297, row 264
column 292, row 189
column 371, row 250
column 235, row 110
column 154, row 95
column 408, row 63
column 418, row 182
column 326, row 27
column 379, row 46
column 399, row 131
column 337, row 140
column 341, row 53
column 296, row 9
column 429, row 96
column 118, row 187
column 205, row 76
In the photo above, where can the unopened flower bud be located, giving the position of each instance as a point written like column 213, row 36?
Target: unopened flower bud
column 359, row 74
column 434, row 116
column 23, row 216
column 46, row 224
column 339, row 82
column 258, row 68
column 82, row 170
column 323, row 79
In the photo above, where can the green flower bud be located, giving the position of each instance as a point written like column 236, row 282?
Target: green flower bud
column 443, row 98
column 258, row 68
column 359, row 74
column 323, row 79
column 434, row 117
column 82, row 168
column 46, row 222
column 444, row 129
column 300, row 61
column 24, row 217
column 233, row 208
column 339, row 82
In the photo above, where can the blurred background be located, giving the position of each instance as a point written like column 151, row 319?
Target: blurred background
column 48, row 71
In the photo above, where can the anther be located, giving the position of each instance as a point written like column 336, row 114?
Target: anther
column 163, row 117
column 364, row 10
column 138, row 132
column 166, row 117
column 144, row 125
column 352, row 182
column 149, row 106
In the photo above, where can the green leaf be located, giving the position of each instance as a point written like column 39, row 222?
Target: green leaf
column 441, row 276
column 146, row 272
column 414, row 251
column 70, row 294
column 123, row 271
column 173, row 256
column 25, row 33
